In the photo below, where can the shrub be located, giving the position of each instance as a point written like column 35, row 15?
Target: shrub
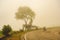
column 21, row 30
column 59, row 33
column 6, row 30
column 44, row 28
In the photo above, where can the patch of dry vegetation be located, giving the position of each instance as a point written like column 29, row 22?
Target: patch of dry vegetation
column 40, row 34
column 49, row 34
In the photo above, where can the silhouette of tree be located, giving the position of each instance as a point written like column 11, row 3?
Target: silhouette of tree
column 6, row 30
column 26, row 14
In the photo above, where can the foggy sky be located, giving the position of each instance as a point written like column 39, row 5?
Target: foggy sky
column 47, row 12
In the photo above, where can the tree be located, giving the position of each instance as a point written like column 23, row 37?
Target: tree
column 26, row 14
column 6, row 30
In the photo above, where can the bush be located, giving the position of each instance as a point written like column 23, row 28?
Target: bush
column 44, row 28
column 21, row 30
column 59, row 33
column 6, row 30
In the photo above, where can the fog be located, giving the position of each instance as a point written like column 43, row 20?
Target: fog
column 47, row 12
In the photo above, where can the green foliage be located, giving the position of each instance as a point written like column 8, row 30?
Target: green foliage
column 0, row 33
column 6, row 30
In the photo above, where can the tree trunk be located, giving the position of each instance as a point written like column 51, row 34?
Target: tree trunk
column 25, row 25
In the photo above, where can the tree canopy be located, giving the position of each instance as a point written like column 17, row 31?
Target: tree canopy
column 6, row 30
column 24, row 12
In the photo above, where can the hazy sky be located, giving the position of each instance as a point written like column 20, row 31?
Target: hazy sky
column 47, row 12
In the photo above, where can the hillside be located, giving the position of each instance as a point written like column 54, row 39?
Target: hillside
column 50, row 34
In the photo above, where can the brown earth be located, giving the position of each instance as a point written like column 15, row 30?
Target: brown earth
column 50, row 34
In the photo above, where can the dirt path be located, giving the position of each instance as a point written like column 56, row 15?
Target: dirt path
column 41, row 35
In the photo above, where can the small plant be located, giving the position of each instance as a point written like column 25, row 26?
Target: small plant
column 21, row 30
column 59, row 33
column 44, row 28
column 6, row 30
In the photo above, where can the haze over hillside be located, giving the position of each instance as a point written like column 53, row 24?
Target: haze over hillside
column 47, row 12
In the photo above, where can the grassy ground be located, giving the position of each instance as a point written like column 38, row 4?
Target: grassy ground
column 0, row 33
column 17, row 35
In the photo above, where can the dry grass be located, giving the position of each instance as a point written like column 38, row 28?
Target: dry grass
column 49, row 34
